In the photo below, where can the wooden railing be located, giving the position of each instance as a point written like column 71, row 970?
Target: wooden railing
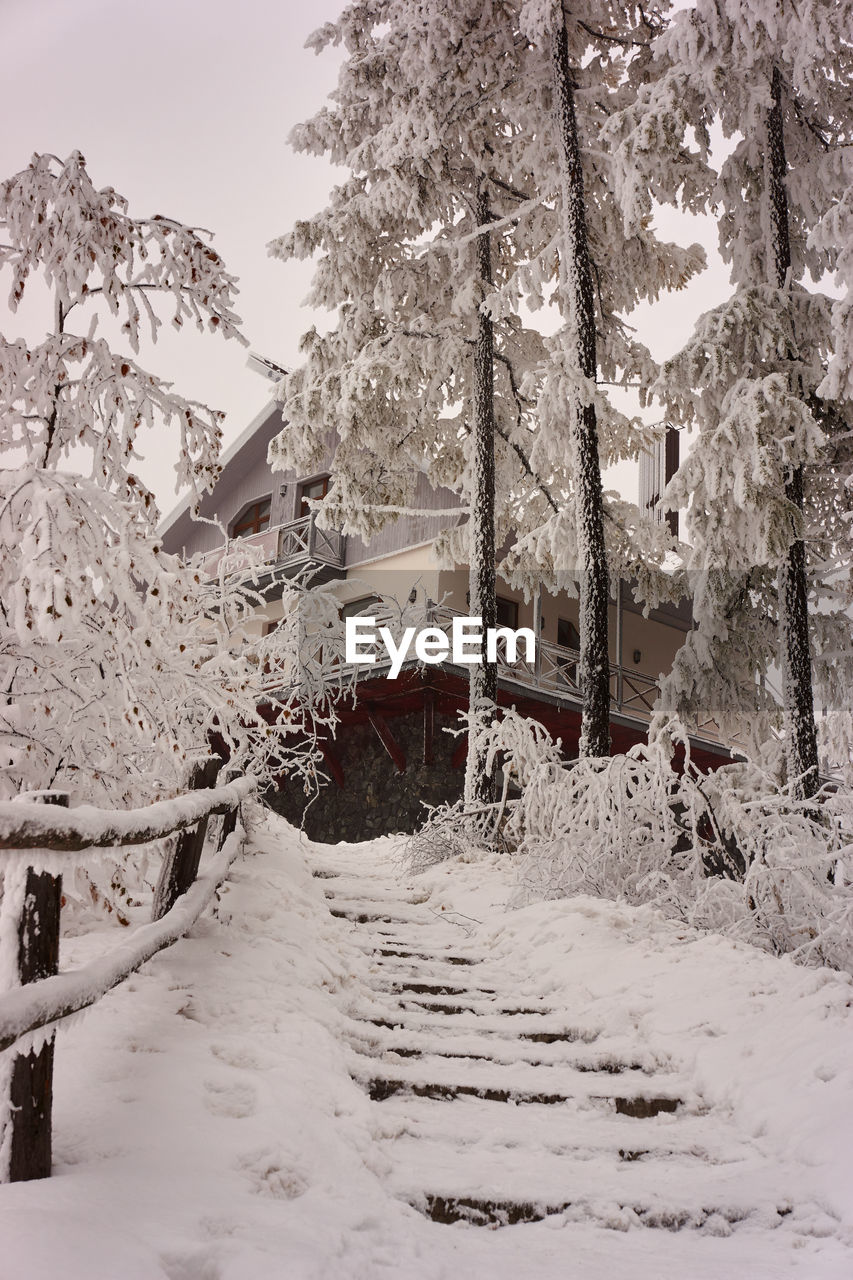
column 38, row 836
column 554, row 671
column 301, row 540
column 266, row 542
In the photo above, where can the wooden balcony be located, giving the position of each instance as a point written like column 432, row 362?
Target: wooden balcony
column 302, row 543
column 555, row 673
column 286, row 551
column 552, row 677
column 633, row 693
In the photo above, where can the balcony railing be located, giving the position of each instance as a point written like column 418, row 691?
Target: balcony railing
column 554, row 672
column 301, row 541
column 287, row 547
column 633, row 693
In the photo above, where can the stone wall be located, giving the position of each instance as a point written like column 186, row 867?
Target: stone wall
column 376, row 798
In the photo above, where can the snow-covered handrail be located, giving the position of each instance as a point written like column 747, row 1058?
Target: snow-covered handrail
column 25, row 825
column 40, row 996
column 27, row 1009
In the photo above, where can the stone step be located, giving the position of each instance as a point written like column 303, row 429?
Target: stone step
column 481, row 1212
column 577, row 1128
column 630, row 1093
column 366, row 915
column 377, row 1044
column 435, row 957
column 345, row 898
column 452, row 1007
column 539, row 1027
column 430, row 989
column 673, row 1193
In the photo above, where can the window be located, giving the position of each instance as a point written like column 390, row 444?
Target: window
column 252, row 519
column 567, row 634
column 507, row 613
column 568, row 637
column 312, row 490
column 358, row 606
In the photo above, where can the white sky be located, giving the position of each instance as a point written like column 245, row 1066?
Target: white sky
column 185, row 107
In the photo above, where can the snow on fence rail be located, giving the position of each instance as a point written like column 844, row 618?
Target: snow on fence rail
column 30, row 918
column 25, row 825
column 36, row 1005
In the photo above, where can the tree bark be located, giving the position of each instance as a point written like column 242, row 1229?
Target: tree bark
column 793, row 585
column 577, row 274
column 31, row 1085
column 483, row 681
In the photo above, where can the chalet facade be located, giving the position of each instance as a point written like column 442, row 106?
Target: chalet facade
column 391, row 754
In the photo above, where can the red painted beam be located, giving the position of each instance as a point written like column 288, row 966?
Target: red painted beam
column 461, row 753
column 332, row 763
column 429, row 725
column 386, row 737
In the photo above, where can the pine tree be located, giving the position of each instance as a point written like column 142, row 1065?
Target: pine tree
column 434, row 109
column 581, row 66
column 408, row 264
column 754, row 375
column 483, row 695
column 595, row 591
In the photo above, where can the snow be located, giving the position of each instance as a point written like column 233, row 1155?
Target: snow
column 209, row 1124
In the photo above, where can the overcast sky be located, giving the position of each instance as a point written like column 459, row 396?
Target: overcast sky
column 185, row 107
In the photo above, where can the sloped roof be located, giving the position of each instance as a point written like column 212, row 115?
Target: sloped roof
column 252, row 442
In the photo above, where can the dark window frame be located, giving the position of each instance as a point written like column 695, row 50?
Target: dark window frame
column 512, row 606
column 258, row 520
column 302, row 495
column 567, row 622
column 352, row 608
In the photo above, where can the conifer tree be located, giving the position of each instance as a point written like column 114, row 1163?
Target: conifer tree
column 420, row 375
column 581, row 65
column 439, row 117
column 766, row 510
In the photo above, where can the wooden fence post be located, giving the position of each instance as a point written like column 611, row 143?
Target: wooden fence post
column 31, row 1091
column 181, row 868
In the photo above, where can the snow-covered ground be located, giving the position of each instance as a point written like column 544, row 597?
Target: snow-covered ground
column 214, row 1118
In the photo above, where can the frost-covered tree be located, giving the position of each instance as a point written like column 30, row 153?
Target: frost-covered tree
column 450, row 119
column 582, row 64
column 420, row 375
column 767, row 511
column 109, row 674
column 577, row 273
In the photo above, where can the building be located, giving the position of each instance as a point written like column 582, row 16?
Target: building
column 391, row 753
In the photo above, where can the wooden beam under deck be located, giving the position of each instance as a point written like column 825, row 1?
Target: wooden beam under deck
column 429, row 725
column 386, row 737
column 332, row 762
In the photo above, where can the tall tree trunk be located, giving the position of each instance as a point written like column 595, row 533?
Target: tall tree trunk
column 793, row 586
column 577, row 273
column 483, row 684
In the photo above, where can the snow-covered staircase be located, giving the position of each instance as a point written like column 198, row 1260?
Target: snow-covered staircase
column 496, row 1107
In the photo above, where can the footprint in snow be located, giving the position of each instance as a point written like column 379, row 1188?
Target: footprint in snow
column 237, row 1055
column 235, row 1099
column 196, row 1265
column 272, row 1174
